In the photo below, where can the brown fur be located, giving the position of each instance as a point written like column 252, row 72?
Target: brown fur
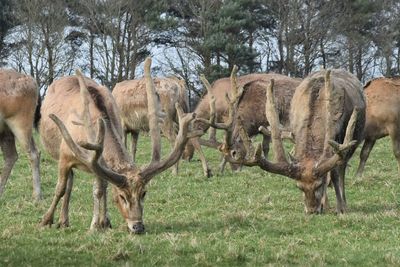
column 308, row 119
column 382, row 116
column 18, row 99
column 252, row 103
column 76, row 105
column 219, row 89
column 63, row 99
column 131, row 98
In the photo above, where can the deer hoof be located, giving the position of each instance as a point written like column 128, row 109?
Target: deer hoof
column 208, row 173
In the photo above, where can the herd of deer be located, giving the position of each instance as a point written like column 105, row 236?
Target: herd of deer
column 85, row 126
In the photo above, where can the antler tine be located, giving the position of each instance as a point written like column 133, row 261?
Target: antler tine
column 329, row 125
column 153, row 110
column 340, row 149
column 91, row 160
column 182, row 137
column 273, row 119
column 85, row 117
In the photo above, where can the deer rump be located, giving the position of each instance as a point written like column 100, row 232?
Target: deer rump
column 308, row 113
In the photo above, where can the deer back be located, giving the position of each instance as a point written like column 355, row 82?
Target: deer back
column 254, row 99
column 308, row 115
column 63, row 99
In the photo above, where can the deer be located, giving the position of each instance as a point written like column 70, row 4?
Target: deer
column 218, row 91
column 253, row 99
column 327, row 118
column 130, row 96
column 93, row 142
column 18, row 99
column 382, row 117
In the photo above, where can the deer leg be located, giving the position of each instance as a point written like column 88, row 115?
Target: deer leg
column 25, row 138
column 99, row 219
column 197, row 147
column 7, row 144
column 222, row 164
column 126, row 138
column 324, row 200
column 63, row 171
column 188, row 152
column 135, row 138
column 265, row 144
column 105, row 221
column 171, row 136
column 337, row 176
column 212, row 135
column 64, row 218
column 364, row 154
column 396, row 147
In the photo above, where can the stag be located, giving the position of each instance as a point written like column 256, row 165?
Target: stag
column 327, row 118
column 253, row 98
column 18, row 99
column 218, row 90
column 131, row 99
column 75, row 142
column 382, row 117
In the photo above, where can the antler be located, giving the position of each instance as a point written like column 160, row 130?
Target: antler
column 232, row 101
column 89, row 153
column 254, row 156
column 157, row 165
column 153, row 110
column 340, row 149
column 329, row 162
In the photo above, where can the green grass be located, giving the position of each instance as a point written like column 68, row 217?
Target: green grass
column 249, row 218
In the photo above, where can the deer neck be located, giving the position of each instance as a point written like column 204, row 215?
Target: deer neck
column 115, row 154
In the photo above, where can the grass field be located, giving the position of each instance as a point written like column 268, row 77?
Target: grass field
column 248, row 218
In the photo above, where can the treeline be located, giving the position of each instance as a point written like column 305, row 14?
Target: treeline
column 109, row 39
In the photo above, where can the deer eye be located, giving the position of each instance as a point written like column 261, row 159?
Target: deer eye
column 143, row 194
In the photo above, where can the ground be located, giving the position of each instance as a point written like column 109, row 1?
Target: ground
column 249, row 218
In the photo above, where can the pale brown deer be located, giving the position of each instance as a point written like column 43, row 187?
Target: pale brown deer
column 131, row 99
column 382, row 117
column 18, row 99
column 328, row 108
column 73, row 140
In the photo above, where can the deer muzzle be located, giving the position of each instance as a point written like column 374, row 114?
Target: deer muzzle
column 136, row 227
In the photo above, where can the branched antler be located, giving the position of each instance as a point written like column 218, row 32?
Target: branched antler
column 89, row 152
column 157, row 166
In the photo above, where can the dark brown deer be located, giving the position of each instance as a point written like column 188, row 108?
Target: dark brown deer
column 328, row 108
column 73, row 140
column 131, row 99
column 18, row 99
column 218, row 90
column 253, row 100
column 382, row 117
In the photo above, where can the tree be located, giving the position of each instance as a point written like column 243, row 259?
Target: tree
column 6, row 23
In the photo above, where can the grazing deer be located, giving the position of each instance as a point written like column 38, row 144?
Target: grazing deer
column 219, row 89
column 328, row 108
column 75, row 142
column 253, row 100
column 382, row 117
column 131, row 100
column 18, row 99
